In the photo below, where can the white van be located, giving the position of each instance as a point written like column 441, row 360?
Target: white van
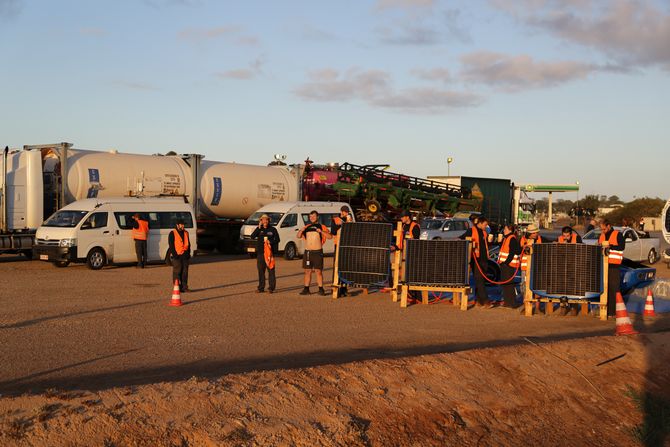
column 98, row 231
column 288, row 218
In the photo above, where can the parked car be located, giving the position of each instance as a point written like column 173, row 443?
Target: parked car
column 443, row 227
column 639, row 246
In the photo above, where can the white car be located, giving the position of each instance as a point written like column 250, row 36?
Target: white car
column 639, row 246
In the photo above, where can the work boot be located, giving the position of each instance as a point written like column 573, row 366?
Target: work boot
column 322, row 292
column 305, row 291
column 343, row 291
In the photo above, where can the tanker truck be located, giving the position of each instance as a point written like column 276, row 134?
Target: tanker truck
column 38, row 180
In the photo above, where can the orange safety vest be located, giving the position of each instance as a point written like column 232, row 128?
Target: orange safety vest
column 504, row 252
column 267, row 254
column 616, row 256
column 573, row 239
column 339, row 221
column 180, row 246
column 140, row 233
column 524, row 257
column 408, row 234
column 476, row 243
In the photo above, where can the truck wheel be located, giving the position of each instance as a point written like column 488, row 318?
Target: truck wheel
column 96, row 259
column 61, row 263
column 290, row 251
column 652, row 257
column 372, row 206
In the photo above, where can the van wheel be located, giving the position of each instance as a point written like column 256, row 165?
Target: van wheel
column 290, row 251
column 96, row 259
column 61, row 263
column 652, row 257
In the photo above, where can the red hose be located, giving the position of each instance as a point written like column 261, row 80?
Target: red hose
column 492, row 281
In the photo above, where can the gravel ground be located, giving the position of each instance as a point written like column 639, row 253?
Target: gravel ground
column 77, row 328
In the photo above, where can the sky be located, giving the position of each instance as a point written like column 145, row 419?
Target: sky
column 537, row 91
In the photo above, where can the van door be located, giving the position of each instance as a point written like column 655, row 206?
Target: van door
column 94, row 232
column 124, row 245
column 288, row 231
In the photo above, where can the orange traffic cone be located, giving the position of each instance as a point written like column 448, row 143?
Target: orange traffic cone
column 623, row 324
column 176, row 295
column 649, row 305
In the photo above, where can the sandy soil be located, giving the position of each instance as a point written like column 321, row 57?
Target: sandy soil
column 520, row 395
column 98, row 358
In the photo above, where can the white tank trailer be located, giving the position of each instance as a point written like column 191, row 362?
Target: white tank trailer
column 38, row 180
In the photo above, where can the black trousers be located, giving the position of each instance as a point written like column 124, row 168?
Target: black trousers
column 262, row 267
column 480, row 284
column 509, row 289
column 141, row 252
column 180, row 271
column 613, row 287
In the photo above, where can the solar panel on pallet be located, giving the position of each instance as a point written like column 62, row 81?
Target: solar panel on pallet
column 364, row 253
column 570, row 270
column 436, row 262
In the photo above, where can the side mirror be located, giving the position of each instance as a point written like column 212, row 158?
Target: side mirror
column 86, row 226
column 445, row 228
column 629, row 239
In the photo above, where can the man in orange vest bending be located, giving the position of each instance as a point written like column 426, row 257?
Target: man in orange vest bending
column 140, row 233
column 616, row 246
column 180, row 250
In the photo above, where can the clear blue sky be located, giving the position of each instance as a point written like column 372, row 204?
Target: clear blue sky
column 531, row 90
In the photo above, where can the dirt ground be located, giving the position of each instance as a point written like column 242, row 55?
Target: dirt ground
column 98, row 358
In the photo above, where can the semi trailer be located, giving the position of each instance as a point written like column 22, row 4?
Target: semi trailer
column 39, row 180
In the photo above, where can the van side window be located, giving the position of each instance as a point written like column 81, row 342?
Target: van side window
column 168, row 220
column 95, row 220
column 326, row 219
column 157, row 220
column 290, row 220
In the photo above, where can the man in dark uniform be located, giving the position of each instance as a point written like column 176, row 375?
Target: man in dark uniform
column 480, row 256
column 265, row 234
column 616, row 244
column 180, row 250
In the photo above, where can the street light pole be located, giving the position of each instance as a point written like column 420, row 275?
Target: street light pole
column 449, row 161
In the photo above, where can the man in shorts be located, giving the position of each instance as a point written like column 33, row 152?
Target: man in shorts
column 315, row 235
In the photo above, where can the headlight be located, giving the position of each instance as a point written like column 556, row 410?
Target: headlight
column 67, row 242
column 423, row 235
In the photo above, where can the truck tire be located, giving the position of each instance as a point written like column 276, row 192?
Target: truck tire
column 61, row 264
column 290, row 251
column 372, row 206
column 96, row 258
column 652, row 257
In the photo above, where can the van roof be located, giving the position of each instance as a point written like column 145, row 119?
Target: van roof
column 283, row 206
column 89, row 204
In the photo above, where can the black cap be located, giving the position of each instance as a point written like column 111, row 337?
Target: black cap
column 180, row 221
column 405, row 214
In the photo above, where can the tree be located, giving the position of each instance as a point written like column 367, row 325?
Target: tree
column 542, row 205
column 614, row 200
column 591, row 201
column 638, row 208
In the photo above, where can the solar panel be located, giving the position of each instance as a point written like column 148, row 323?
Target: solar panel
column 437, row 263
column 364, row 253
column 570, row 270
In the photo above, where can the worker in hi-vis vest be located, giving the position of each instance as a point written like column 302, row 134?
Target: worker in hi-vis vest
column 140, row 234
column 569, row 236
column 615, row 247
column 335, row 226
column 180, row 250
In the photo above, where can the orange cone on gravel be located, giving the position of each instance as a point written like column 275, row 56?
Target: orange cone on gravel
column 623, row 324
column 176, row 295
column 649, row 305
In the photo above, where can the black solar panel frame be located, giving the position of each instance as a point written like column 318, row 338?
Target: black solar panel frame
column 567, row 270
column 364, row 253
column 437, row 263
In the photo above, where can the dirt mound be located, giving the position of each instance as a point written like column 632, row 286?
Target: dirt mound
column 592, row 391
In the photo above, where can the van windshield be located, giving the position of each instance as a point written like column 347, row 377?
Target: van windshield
column 65, row 219
column 254, row 219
